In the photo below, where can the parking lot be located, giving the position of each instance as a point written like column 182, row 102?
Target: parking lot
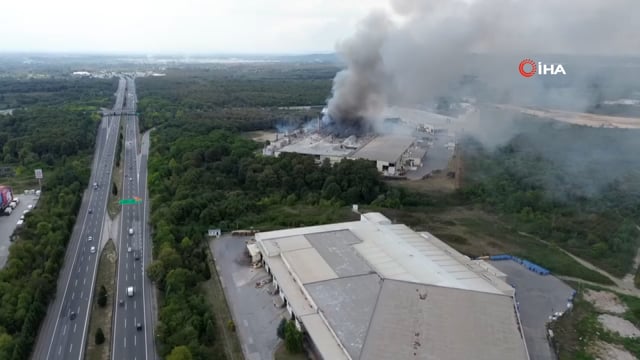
column 539, row 297
column 9, row 223
column 254, row 314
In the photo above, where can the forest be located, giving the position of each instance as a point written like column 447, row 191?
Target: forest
column 581, row 195
column 56, row 134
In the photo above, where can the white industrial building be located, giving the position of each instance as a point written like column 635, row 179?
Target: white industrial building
column 387, row 151
column 371, row 289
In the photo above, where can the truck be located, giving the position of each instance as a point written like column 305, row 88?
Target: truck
column 130, row 291
column 8, row 210
column 6, row 195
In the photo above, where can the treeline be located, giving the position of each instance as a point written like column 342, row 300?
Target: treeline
column 574, row 186
column 89, row 93
column 59, row 140
column 197, row 181
column 239, row 97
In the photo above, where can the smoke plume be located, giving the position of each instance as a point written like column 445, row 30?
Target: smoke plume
column 424, row 48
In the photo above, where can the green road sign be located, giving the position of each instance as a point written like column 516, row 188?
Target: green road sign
column 128, row 201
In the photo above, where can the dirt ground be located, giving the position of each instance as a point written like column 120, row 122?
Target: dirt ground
column 580, row 118
column 261, row 135
column 617, row 324
column 607, row 351
column 436, row 183
column 605, row 301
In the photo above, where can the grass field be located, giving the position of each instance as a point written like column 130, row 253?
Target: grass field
column 101, row 317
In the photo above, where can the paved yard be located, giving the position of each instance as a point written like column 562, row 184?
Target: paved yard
column 538, row 297
column 253, row 311
column 8, row 224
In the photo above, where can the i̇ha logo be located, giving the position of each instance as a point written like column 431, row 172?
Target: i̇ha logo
column 528, row 68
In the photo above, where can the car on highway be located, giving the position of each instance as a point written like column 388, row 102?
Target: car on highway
column 90, row 238
column 121, row 302
column 129, row 249
column 137, row 256
column 130, row 231
column 21, row 217
column 92, row 250
column 25, row 212
column 30, row 206
column 90, row 211
column 95, row 186
column 139, row 326
column 130, row 179
column 72, row 316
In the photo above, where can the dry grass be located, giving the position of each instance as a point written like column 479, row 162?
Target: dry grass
column 101, row 317
column 282, row 354
column 215, row 295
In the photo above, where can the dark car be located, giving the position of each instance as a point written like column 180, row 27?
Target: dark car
column 139, row 326
column 90, row 211
column 137, row 255
column 72, row 316
column 121, row 302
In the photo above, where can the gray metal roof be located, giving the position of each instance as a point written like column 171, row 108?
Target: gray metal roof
column 388, row 148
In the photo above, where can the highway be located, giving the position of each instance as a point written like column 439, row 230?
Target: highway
column 63, row 334
column 133, row 316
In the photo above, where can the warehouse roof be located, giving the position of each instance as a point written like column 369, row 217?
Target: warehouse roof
column 388, row 148
column 381, row 289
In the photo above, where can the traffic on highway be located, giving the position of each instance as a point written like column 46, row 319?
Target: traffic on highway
column 64, row 331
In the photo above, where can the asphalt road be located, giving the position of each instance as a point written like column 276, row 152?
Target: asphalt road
column 64, row 331
column 133, row 319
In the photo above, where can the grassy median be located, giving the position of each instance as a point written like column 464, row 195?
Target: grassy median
column 101, row 316
column 113, row 206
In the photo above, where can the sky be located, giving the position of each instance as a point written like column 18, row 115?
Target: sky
column 180, row 26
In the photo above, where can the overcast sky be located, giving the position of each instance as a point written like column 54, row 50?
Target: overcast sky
column 183, row 26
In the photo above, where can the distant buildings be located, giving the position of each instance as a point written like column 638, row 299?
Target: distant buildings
column 371, row 289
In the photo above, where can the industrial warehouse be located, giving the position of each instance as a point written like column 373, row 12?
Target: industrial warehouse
column 371, row 289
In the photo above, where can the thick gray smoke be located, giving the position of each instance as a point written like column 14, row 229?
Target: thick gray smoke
column 424, row 49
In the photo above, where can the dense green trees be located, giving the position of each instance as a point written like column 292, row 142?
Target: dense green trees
column 99, row 338
column 58, row 139
column 583, row 195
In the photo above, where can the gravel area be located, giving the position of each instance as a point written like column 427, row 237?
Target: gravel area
column 605, row 301
column 606, row 351
column 619, row 325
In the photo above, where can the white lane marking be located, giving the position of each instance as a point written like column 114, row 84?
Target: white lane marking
column 87, row 268
column 70, row 347
column 59, row 349
column 64, row 330
column 134, row 304
column 126, row 277
column 81, row 294
column 134, row 275
column 76, row 283
column 73, row 295
column 74, row 327
column 84, row 281
column 135, row 340
column 125, row 343
column 125, row 323
column 126, row 266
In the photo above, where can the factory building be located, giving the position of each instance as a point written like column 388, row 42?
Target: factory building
column 371, row 289
column 387, row 151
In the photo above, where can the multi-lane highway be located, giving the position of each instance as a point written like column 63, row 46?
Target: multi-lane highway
column 64, row 331
column 133, row 318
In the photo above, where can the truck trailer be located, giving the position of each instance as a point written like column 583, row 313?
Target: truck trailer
column 6, row 195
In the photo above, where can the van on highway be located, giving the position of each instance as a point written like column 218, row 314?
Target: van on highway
column 130, row 291
column 130, row 231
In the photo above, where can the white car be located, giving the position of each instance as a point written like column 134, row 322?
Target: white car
column 129, row 249
column 90, row 238
column 130, row 231
column 92, row 250
column 21, row 217
column 30, row 206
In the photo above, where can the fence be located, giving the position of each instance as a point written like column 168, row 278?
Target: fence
column 526, row 263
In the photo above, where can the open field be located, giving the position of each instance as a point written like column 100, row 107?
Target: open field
column 585, row 119
column 101, row 317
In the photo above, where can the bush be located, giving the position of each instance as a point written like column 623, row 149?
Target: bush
column 292, row 338
column 281, row 328
column 99, row 336
column 102, row 296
